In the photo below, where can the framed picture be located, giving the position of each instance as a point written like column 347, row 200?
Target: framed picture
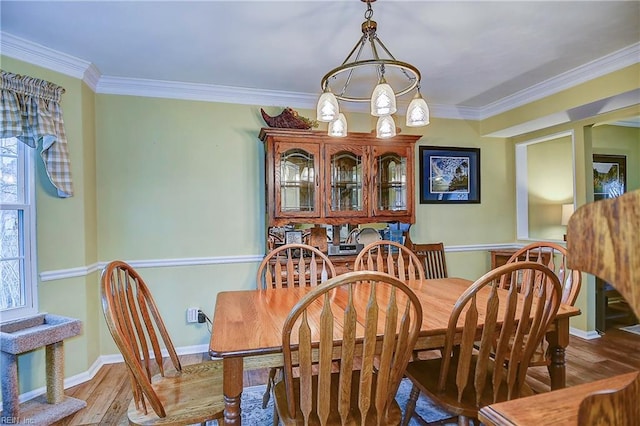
column 449, row 175
column 293, row 237
column 609, row 176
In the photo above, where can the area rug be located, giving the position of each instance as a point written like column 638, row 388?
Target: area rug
column 253, row 414
column 635, row 329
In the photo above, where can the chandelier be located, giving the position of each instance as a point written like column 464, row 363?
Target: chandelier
column 351, row 82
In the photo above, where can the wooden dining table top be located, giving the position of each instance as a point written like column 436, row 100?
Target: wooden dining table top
column 249, row 322
column 247, row 329
column 559, row 407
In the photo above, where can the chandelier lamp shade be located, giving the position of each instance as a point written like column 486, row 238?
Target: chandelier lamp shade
column 371, row 78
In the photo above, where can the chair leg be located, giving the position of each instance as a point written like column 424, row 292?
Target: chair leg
column 411, row 405
column 276, row 418
column 463, row 421
column 267, row 392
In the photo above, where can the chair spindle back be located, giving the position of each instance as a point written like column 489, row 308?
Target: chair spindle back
column 554, row 256
column 381, row 333
column 432, row 259
column 524, row 323
column 294, row 265
column 137, row 329
column 390, row 257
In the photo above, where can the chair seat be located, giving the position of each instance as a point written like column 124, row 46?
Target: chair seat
column 425, row 373
column 539, row 357
column 393, row 418
column 193, row 396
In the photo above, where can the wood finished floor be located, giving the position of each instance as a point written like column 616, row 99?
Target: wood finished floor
column 616, row 352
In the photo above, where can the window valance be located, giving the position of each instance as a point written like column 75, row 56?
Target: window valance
column 30, row 111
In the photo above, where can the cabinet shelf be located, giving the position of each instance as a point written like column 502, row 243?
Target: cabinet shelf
column 296, row 184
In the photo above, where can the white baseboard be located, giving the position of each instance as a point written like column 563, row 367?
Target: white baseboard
column 98, row 363
column 586, row 335
column 188, row 350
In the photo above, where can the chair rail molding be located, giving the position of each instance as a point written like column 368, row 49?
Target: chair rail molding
column 81, row 271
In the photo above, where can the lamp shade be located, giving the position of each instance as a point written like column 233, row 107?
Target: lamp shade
column 418, row 112
column 567, row 211
column 383, row 100
column 338, row 127
column 327, row 109
column 386, row 127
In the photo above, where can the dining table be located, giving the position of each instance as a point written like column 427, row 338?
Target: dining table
column 558, row 408
column 247, row 330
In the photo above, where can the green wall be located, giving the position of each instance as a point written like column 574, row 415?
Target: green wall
column 620, row 140
column 171, row 182
column 588, row 138
column 550, row 181
column 67, row 232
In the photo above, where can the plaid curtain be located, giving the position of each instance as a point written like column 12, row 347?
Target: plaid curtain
column 30, row 111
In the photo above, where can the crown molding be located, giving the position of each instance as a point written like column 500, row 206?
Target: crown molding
column 37, row 54
column 92, row 77
column 54, row 60
column 615, row 61
column 201, row 92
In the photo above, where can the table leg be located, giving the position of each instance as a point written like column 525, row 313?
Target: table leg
column 558, row 340
column 232, row 385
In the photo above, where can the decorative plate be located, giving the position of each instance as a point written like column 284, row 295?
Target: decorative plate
column 368, row 236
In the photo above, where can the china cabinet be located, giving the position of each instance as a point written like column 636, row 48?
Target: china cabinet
column 316, row 179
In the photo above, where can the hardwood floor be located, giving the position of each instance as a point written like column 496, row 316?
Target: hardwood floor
column 616, row 352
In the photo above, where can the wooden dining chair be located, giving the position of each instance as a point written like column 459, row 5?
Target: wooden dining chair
column 467, row 376
column 175, row 395
column 294, row 265
column 612, row 406
column 432, row 258
column 603, row 240
column 380, row 334
column 390, row 257
column 554, row 256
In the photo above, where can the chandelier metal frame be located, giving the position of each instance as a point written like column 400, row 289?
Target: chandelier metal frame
column 370, row 37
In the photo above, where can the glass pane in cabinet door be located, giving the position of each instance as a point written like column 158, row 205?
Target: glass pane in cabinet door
column 297, row 185
column 346, row 182
column 392, row 182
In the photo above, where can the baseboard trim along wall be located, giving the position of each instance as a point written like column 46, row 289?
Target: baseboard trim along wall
column 78, row 379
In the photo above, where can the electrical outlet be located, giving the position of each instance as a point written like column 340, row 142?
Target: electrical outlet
column 192, row 314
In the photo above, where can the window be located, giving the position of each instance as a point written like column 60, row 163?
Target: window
column 18, row 294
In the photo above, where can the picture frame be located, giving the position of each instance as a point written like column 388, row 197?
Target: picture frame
column 293, row 237
column 609, row 176
column 449, row 175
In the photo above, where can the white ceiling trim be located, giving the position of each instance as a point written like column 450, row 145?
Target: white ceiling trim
column 607, row 64
column 54, row 60
column 37, row 54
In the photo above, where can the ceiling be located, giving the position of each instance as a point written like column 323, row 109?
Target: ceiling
column 473, row 55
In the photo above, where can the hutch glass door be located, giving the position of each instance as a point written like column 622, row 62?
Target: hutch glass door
column 390, row 188
column 346, row 173
column 297, row 170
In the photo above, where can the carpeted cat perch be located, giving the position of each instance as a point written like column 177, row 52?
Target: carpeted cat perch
column 27, row 334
